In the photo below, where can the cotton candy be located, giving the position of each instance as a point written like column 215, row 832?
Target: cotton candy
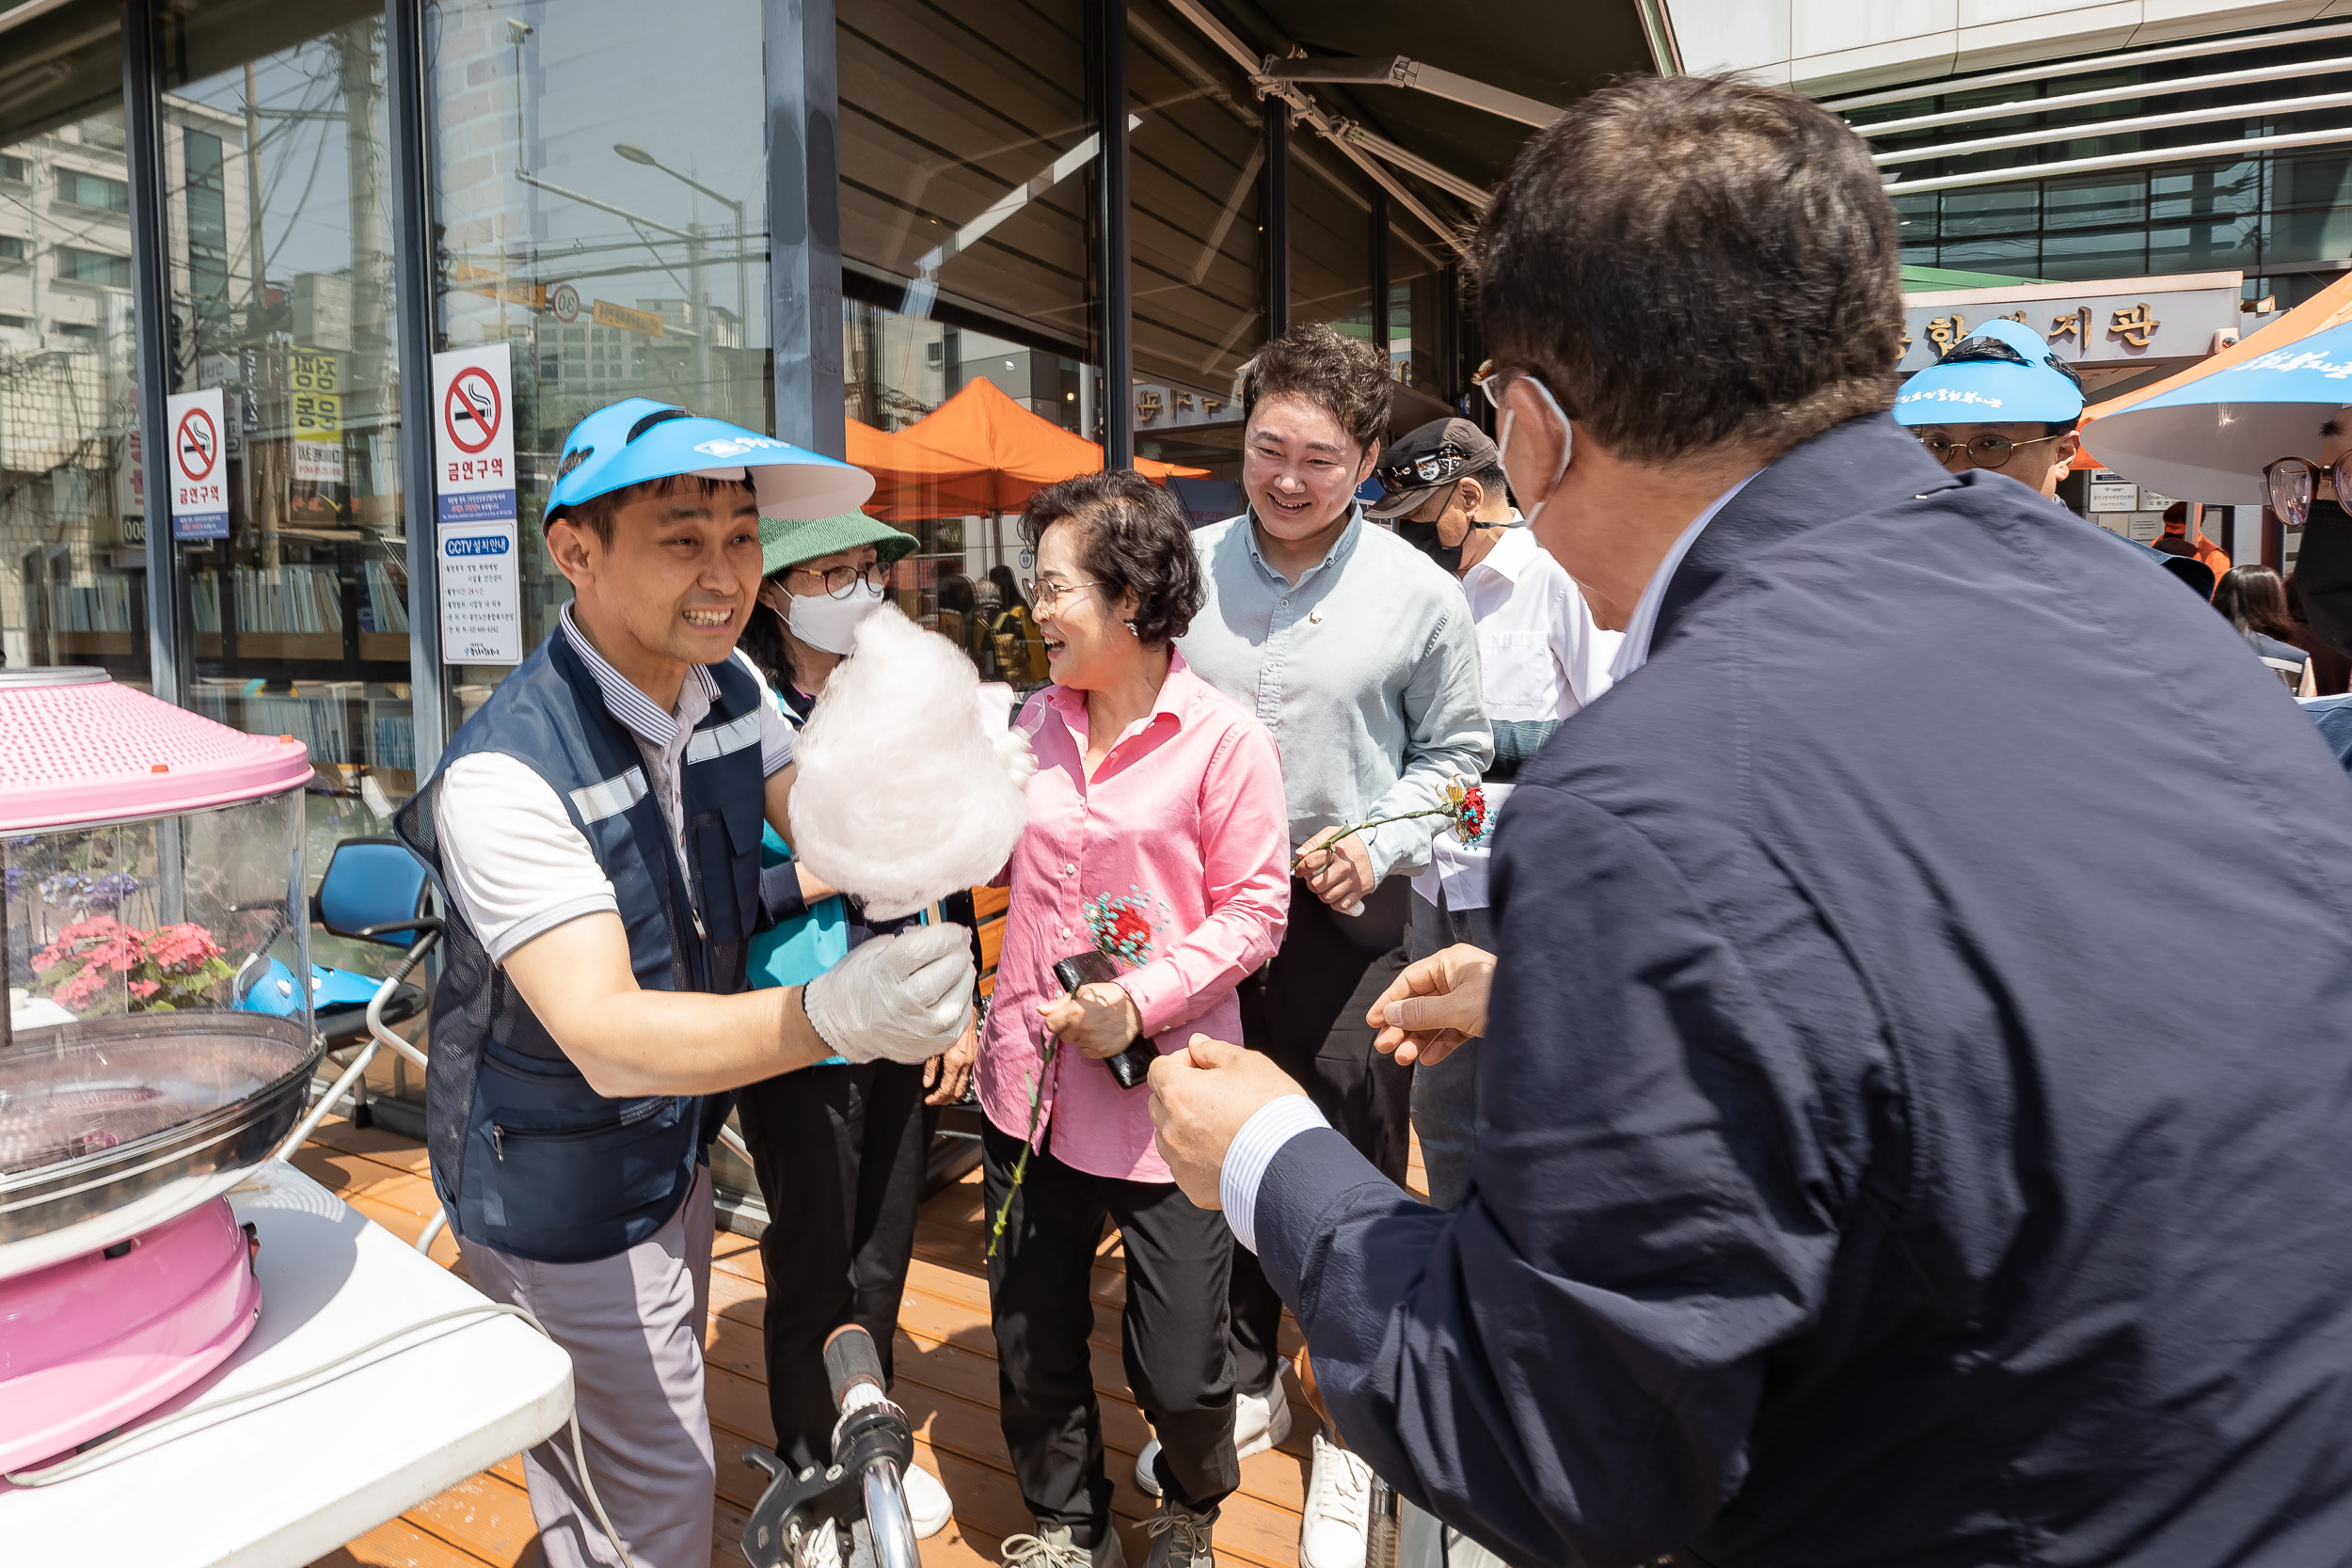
column 906, row 792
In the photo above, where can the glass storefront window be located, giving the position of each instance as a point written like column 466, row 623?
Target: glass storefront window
column 2095, row 200
column 2116, row 254
column 2311, row 180
column 73, row 504
column 2002, row 210
column 1330, row 238
column 2212, row 191
column 2314, row 237
column 1196, row 164
column 968, row 161
column 2010, row 258
column 601, row 188
column 279, row 249
column 1416, row 306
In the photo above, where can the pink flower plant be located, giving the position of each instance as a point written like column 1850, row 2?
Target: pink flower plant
column 165, row 969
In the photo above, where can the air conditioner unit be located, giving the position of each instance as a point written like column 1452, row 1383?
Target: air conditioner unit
column 2222, row 340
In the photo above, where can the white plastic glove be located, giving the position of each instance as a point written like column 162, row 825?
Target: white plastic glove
column 900, row 998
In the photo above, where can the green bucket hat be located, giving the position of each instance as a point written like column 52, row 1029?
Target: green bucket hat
column 785, row 543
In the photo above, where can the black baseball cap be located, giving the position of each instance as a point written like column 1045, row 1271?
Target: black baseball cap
column 1427, row 460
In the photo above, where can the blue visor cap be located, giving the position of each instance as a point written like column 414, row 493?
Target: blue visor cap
column 639, row 439
column 2003, row 373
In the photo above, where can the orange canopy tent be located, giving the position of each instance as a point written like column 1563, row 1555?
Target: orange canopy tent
column 910, row 482
column 977, row 452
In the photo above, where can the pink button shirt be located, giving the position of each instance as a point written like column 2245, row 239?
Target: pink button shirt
column 1188, row 808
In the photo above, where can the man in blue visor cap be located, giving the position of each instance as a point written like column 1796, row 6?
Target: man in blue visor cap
column 595, row 828
column 1999, row 399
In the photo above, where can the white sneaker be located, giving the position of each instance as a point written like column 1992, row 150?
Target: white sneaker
column 1334, row 1527
column 1261, row 1421
column 928, row 1503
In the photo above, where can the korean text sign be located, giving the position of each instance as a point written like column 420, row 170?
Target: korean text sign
column 197, row 426
column 473, row 446
column 480, row 566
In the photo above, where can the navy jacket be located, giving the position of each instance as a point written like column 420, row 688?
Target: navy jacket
column 1915, row 1110
column 527, row 1157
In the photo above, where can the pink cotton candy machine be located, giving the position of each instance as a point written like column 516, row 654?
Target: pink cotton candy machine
column 153, row 863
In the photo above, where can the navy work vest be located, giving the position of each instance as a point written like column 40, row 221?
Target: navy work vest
column 527, row 1158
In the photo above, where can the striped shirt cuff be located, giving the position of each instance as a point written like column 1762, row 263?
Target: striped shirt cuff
column 1260, row 1138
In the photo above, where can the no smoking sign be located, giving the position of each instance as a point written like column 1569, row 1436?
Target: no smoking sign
column 197, row 445
column 474, row 475
column 199, row 494
column 477, row 565
column 472, row 413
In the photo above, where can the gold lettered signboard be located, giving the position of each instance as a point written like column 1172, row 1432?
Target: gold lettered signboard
column 314, row 407
column 2112, row 325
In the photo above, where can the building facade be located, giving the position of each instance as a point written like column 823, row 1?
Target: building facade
column 2140, row 181
column 831, row 217
column 802, row 218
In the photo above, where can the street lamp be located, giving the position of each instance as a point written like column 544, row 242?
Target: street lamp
column 637, row 154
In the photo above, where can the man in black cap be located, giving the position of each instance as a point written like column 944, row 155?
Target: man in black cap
column 1540, row 659
column 1443, row 490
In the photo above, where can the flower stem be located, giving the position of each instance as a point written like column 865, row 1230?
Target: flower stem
column 1037, row 1100
column 1325, row 844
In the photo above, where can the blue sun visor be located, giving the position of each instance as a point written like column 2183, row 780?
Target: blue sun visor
column 639, row 439
column 2003, row 373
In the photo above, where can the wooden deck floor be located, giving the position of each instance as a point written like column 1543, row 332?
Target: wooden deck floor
column 946, row 1381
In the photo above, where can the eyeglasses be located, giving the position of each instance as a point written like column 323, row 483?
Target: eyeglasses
column 839, row 580
column 1984, row 452
column 2292, row 483
column 1497, row 383
column 1046, row 594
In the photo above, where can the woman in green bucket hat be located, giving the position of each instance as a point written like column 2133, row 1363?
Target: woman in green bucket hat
column 839, row 1149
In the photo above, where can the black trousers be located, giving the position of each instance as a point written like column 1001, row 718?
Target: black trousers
column 839, row 1153
column 1305, row 1009
column 1180, row 1364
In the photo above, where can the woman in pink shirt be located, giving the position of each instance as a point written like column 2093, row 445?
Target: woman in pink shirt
column 1152, row 784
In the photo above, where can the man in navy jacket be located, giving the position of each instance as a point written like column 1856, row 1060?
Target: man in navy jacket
column 1899, row 1142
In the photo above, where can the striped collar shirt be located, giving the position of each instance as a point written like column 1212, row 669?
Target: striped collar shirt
column 663, row 738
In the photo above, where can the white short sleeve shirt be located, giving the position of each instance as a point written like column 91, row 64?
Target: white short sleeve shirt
column 514, row 864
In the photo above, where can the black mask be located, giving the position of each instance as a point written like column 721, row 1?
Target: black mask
column 1423, row 537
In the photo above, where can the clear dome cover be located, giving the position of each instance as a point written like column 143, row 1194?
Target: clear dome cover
column 158, row 1039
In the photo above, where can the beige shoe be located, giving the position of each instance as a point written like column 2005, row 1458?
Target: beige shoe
column 1051, row 1547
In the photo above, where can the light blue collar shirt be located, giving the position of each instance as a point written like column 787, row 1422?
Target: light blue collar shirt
column 1365, row 669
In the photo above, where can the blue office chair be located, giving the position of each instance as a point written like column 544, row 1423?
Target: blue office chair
column 374, row 890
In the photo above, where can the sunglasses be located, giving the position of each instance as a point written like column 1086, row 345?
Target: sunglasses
column 1439, row 466
column 2292, row 483
column 1984, row 452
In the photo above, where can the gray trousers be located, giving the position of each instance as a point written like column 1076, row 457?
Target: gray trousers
column 633, row 1324
column 1445, row 1097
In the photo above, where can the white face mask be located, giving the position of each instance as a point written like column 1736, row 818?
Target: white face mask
column 822, row 620
column 1567, row 446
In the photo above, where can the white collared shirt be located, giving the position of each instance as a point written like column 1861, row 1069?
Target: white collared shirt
column 1540, row 659
column 513, row 862
column 1642, row 623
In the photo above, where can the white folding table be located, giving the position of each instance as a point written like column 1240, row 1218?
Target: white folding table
column 285, row 1481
